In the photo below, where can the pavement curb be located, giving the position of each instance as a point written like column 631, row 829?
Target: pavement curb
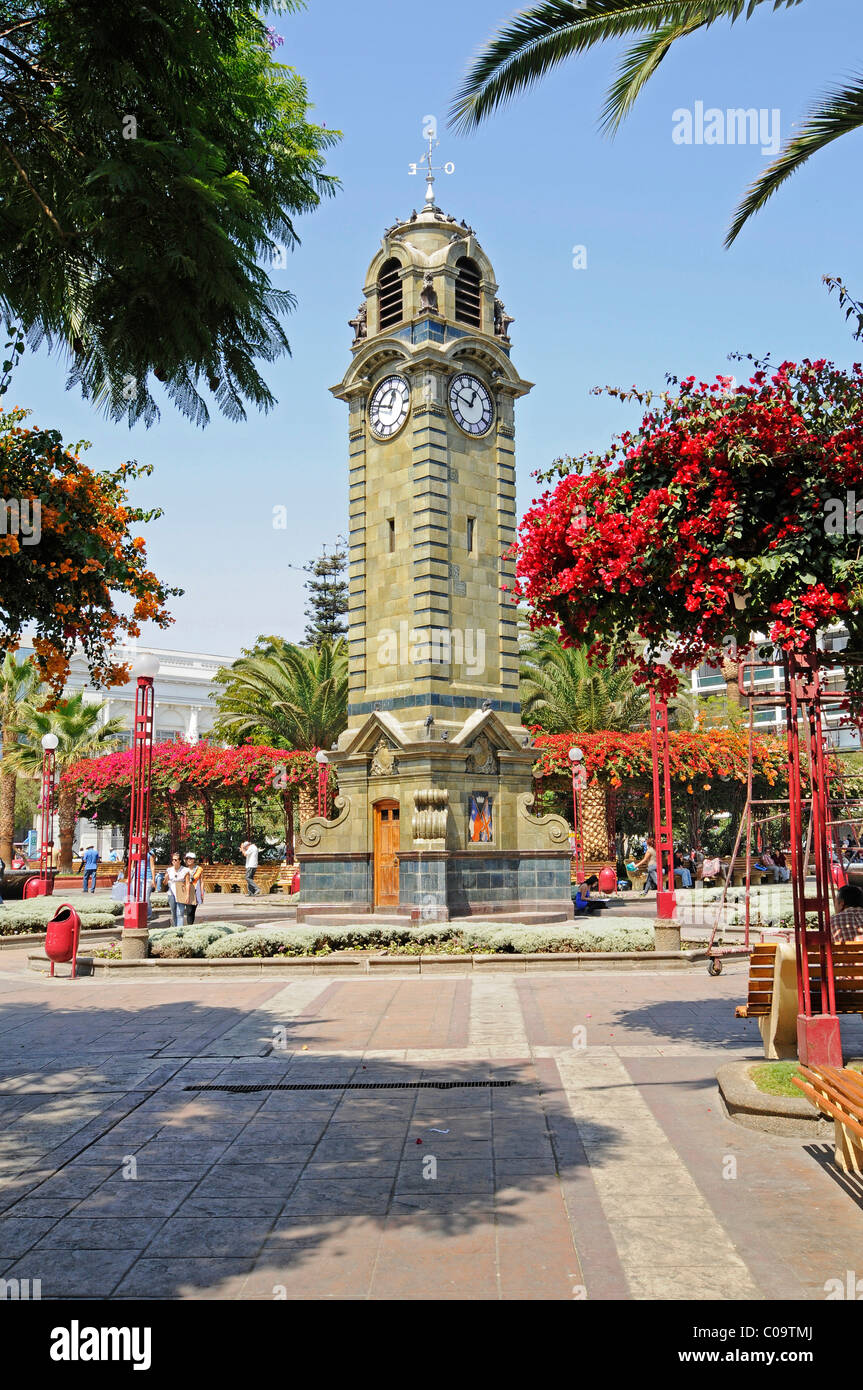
column 380, row 964
column 772, row 1114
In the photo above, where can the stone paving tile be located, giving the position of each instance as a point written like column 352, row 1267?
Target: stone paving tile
column 77, row 1233
column 182, row 1277
column 192, row 1237
column 331, row 1181
column 74, row 1273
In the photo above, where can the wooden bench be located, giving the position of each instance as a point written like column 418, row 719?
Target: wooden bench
column 776, row 1013
column 838, row 1094
column 761, row 972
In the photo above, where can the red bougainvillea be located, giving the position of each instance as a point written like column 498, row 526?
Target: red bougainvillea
column 187, row 768
column 614, row 759
column 722, row 514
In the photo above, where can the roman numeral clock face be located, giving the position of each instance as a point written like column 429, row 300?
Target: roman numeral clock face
column 388, row 407
column 471, row 404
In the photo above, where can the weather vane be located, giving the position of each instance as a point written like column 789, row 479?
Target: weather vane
column 427, row 160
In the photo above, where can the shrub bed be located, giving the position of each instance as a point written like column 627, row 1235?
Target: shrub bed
column 443, row 939
column 184, row 943
column 34, row 914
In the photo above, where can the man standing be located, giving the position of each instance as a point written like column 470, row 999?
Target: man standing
column 250, row 852
column 90, row 863
column 847, row 924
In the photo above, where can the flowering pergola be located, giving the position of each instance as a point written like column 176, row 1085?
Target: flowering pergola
column 708, row 771
column 197, row 777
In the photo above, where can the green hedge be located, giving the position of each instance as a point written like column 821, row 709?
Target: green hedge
column 178, row 943
column 34, row 914
column 429, row 940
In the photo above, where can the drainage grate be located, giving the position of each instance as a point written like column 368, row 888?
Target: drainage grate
column 349, row 1086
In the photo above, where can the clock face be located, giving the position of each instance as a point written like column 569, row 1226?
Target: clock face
column 471, row 404
column 388, row 408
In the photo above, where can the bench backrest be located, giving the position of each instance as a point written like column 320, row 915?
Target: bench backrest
column 847, row 977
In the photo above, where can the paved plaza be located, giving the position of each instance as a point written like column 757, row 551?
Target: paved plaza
column 598, row 1164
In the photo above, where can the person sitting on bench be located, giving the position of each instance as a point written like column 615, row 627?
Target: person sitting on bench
column 847, row 924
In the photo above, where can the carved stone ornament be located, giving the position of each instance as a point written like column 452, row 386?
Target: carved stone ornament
column 431, row 805
column 482, row 756
column 428, row 294
column 384, row 760
column 359, row 324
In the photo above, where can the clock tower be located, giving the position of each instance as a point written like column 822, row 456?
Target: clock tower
column 434, row 814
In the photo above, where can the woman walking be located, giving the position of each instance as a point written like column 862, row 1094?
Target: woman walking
column 179, row 890
column 196, row 877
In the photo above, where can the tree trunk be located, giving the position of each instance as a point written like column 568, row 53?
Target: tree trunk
column 595, row 827
column 307, row 805
column 7, row 798
column 209, row 827
column 247, row 807
column 66, row 815
column 175, row 825
column 729, row 671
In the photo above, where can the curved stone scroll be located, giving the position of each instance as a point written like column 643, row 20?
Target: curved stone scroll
column 312, row 831
column 555, row 827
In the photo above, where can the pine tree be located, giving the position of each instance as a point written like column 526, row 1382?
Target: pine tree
column 328, row 596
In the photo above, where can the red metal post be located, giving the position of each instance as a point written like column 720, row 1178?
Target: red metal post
column 818, row 1036
column 46, row 824
column 135, row 910
column 662, row 831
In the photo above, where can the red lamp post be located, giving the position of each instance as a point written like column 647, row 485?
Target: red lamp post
column 579, row 782
column 46, row 823
column 135, row 910
column 323, row 777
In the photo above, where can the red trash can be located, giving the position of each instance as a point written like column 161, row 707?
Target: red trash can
column 61, row 937
column 607, row 881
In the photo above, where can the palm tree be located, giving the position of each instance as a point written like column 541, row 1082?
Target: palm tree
column 537, row 40
column 77, row 726
column 17, row 682
column 287, row 696
column 565, row 693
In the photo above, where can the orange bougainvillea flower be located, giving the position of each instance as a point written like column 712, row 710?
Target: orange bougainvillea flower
column 73, row 589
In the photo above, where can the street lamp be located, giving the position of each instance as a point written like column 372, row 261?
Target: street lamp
column 135, row 937
column 46, row 824
column 579, row 781
column 323, row 774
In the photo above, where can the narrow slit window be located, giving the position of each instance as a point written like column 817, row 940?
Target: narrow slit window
column 467, row 292
column 471, row 533
column 390, row 294
column 391, row 528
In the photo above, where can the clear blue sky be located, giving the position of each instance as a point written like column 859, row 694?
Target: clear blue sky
column 659, row 293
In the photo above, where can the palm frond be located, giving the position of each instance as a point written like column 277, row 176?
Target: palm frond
column 638, row 66
column 539, row 39
column 835, row 115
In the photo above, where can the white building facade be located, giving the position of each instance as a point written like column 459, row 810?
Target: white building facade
column 183, row 710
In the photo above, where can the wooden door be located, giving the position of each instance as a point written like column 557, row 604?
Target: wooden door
column 386, row 854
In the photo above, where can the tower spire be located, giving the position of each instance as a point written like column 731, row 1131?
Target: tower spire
column 427, row 160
